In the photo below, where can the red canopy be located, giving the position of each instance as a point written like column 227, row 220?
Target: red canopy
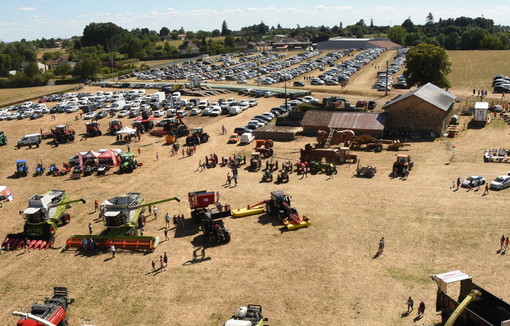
column 108, row 158
column 151, row 118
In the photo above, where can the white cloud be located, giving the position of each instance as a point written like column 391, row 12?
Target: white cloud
column 27, row 9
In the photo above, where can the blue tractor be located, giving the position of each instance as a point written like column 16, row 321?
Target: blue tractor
column 21, row 168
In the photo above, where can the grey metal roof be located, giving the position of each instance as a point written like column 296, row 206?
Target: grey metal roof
column 358, row 120
column 431, row 94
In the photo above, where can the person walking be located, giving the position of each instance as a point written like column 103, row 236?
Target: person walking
column 507, row 242
column 167, row 220
column 486, row 191
column 165, row 259
column 96, row 205
column 502, row 242
column 380, row 251
column 139, row 151
column 166, row 234
column 153, row 263
column 155, row 210
column 410, row 304
column 90, row 229
column 421, row 308
column 157, row 155
column 129, row 147
column 112, row 249
column 458, row 183
column 161, row 263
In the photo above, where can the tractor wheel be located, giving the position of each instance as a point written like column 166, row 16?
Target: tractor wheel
column 267, row 165
column 99, row 133
column 71, row 138
column 205, row 138
column 49, row 230
column 270, row 209
column 63, row 322
column 342, row 159
column 266, row 153
column 378, row 149
column 141, row 222
column 66, row 218
column 227, row 236
column 37, row 144
column 276, row 166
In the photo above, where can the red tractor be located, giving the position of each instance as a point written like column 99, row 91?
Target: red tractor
column 197, row 136
column 52, row 312
column 114, row 126
column 210, row 219
column 62, row 134
column 93, row 129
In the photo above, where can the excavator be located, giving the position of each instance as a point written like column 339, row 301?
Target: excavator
column 44, row 214
column 123, row 217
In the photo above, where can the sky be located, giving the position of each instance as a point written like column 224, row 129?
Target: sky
column 35, row 19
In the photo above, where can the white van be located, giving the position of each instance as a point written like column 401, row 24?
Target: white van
column 29, row 140
column 247, row 138
column 235, row 110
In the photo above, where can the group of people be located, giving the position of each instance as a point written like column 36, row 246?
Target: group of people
column 410, row 307
column 163, row 263
column 504, row 243
column 481, row 93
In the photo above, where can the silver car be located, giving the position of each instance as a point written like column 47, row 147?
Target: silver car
column 501, row 182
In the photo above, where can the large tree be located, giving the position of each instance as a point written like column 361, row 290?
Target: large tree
column 427, row 63
column 224, row 29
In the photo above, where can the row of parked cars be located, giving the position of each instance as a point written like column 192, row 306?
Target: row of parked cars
column 501, row 182
column 501, row 84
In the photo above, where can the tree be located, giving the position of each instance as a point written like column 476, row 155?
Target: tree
column 32, row 70
column 397, row 34
column 229, row 41
column 87, row 68
column 215, row 33
column 224, row 29
column 427, row 63
column 408, row 25
column 164, row 32
column 63, row 70
column 491, row 42
column 430, row 19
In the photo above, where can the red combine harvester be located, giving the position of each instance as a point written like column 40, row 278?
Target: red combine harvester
column 52, row 312
column 210, row 219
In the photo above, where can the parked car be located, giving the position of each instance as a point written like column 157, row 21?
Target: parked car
column 215, row 111
column 89, row 116
column 195, row 111
column 158, row 113
column 298, row 84
column 501, row 182
column 233, row 139
column 473, row 181
column 247, row 138
column 101, row 114
column 241, row 130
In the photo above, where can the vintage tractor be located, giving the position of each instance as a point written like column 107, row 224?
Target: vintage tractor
column 402, row 165
column 255, row 162
column 264, row 147
column 53, row 312
column 365, row 171
column 287, row 166
column 267, row 175
column 21, row 168
column 301, row 167
column 44, row 214
column 114, row 126
column 3, row 138
column 62, row 134
column 39, row 169
column 213, row 227
column 239, row 159
column 93, row 129
column 127, row 163
column 123, row 217
column 331, row 155
column 250, row 315
column 328, row 168
column 283, row 176
column 315, row 167
column 197, row 136
column 272, row 165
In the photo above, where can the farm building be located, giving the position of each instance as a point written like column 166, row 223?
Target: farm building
column 425, row 110
column 278, row 133
column 360, row 122
column 338, row 43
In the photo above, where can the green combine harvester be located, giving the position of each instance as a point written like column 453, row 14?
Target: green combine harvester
column 123, row 217
column 44, row 214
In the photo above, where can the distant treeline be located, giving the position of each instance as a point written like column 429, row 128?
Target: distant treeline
column 105, row 48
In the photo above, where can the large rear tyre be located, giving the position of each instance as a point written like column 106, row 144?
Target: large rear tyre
column 205, row 138
column 49, row 230
column 66, row 218
column 270, row 209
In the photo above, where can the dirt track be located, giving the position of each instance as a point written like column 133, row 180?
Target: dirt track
column 322, row 275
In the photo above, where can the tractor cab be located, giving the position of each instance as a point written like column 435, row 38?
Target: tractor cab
column 114, row 126
column 21, row 168
column 127, row 162
column 402, row 163
column 255, row 161
column 197, row 136
column 279, row 197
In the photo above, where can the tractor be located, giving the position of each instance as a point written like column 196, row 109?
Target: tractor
column 127, row 163
column 213, row 227
column 255, row 162
column 197, row 136
column 272, row 165
column 328, row 168
column 124, row 217
column 93, row 129
column 365, row 171
column 250, row 315
column 114, row 126
column 239, row 159
column 44, row 214
column 3, row 138
column 287, row 166
column 52, row 312
column 402, row 165
column 62, row 134
column 267, row 175
column 264, row 147
column 279, row 205
column 332, row 155
column 21, row 168
column 315, row 167
column 39, row 169
column 283, row 176
column 174, row 126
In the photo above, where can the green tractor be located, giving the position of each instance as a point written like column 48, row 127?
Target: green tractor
column 3, row 138
column 44, row 214
column 124, row 219
column 127, row 163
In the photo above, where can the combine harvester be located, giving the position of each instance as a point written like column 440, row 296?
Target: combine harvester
column 42, row 217
column 52, row 312
column 279, row 205
column 123, row 217
column 210, row 219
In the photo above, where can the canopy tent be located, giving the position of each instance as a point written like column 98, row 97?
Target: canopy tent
column 5, row 193
column 140, row 118
column 108, row 158
column 89, row 158
column 126, row 131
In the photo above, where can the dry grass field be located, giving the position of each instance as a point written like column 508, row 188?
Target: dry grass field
column 13, row 95
column 321, row 275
